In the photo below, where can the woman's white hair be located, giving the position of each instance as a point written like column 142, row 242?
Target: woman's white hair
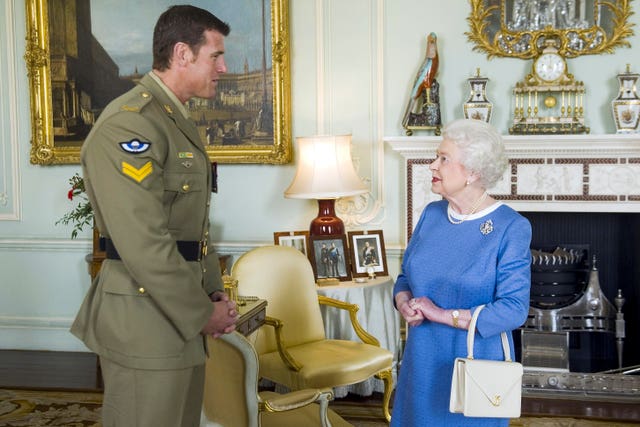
column 481, row 148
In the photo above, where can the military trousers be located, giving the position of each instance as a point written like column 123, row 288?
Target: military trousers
column 151, row 398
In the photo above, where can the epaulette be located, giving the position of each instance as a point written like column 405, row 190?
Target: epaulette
column 136, row 101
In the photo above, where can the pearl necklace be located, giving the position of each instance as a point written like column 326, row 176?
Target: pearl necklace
column 474, row 208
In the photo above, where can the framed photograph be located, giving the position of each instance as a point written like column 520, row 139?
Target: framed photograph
column 367, row 253
column 330, row 257
column 80, row 58
column 295, row 239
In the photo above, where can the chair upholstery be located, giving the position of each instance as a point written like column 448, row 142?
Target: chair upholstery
column 231, row 397
column 292, row 348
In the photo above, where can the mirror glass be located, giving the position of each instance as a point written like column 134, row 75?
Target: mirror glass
column 519, row 28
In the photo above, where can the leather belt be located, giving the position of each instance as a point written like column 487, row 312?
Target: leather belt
column 191, row 250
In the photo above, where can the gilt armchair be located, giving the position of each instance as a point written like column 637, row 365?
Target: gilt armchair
column 292, row 346
column 231, row 397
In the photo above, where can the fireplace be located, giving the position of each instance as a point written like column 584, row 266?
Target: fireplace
column 575, row 190
column 614, row 240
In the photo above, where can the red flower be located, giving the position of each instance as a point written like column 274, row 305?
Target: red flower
column 70, row 194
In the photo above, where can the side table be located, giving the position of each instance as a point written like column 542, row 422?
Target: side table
column 377, row 316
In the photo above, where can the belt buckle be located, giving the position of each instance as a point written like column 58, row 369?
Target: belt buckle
column 203, row 248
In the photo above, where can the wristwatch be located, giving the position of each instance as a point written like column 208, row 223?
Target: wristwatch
column 455, row 314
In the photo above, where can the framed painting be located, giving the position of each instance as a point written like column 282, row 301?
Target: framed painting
column 330, row 257
column 295, row 239
column 81, row 55
column 368, row 257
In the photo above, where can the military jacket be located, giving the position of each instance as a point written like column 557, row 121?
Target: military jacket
column 148, row 178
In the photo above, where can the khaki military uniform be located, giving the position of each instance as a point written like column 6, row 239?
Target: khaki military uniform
column 148, row 178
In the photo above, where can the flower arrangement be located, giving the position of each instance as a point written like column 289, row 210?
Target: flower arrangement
column 82, row 214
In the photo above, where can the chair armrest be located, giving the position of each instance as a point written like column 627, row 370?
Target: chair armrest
column 295, row 399
column 365, row 336
column 282, row 349
column 298, row 399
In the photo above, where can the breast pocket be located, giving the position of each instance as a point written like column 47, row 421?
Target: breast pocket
column 185, row 195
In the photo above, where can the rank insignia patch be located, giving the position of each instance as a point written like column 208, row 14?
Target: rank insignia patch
column 137, row 174
column 135, row 146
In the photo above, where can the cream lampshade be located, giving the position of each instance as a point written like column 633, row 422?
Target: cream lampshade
column 325, row 172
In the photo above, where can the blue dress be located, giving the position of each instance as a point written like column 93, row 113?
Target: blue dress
column 484, row 260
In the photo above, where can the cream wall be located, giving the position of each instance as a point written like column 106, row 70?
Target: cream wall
column 352, row 64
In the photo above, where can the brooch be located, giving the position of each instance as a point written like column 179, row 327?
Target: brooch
column 486, row 227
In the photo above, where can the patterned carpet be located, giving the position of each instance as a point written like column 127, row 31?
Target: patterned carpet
column 364, row 414
column 27, row 408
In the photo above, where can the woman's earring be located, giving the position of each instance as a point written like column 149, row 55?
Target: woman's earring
column 468, row 182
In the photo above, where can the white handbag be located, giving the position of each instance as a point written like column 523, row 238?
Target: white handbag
column 486, row 388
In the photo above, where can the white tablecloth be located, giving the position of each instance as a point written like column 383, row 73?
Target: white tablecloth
column 376, row 315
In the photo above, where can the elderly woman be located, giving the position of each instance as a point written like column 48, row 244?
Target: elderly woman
column 466, row 250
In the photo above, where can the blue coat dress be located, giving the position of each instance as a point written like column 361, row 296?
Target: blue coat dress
column 484, row 260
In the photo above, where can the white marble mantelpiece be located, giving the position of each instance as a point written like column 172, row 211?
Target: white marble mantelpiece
column 548, row 173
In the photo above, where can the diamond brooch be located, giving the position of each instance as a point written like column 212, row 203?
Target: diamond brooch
column 486, row 227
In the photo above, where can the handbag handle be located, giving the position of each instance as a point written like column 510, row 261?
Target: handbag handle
column 472, row 332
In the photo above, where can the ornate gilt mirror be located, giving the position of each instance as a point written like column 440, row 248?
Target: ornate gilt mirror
column 519, row 28
column 79, row 57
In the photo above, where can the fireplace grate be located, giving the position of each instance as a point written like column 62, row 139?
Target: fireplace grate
column 559, row 277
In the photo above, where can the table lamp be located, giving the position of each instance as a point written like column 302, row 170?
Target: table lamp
column 325, row 172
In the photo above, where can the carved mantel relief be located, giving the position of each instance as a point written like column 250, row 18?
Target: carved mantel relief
column 577, row 173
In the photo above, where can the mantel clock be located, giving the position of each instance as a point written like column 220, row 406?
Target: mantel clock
column 549, row 99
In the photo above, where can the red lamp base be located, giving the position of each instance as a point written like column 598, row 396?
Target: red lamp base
column 326, row 223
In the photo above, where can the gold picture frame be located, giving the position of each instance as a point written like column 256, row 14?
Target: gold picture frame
column 502, row 28
column 270, row 144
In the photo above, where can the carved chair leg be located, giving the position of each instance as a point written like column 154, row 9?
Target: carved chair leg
column 387, row 378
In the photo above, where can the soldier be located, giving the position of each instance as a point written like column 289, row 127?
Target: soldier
column 159, row 292
column 369, row 256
